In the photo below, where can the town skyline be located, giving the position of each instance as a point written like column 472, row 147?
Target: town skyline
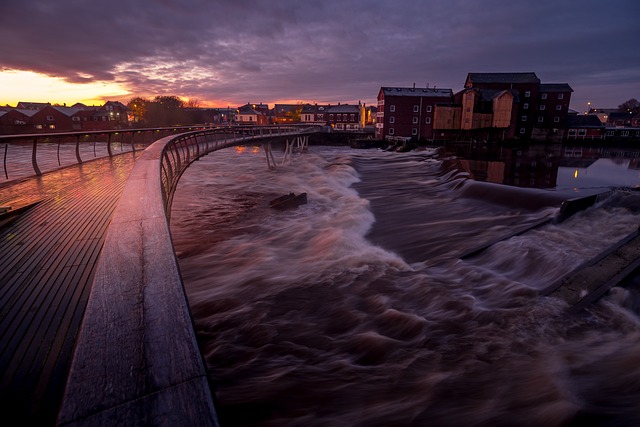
column 299, row 52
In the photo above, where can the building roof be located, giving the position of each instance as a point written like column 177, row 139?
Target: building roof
column 555, row 87
column 521, row 78
column 32, row 105
column 246, row 109
column 344, row 108
column 69, row 111
column 583, row 121
column 409, row 91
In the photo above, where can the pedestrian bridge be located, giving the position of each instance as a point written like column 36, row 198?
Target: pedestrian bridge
column 94, row 324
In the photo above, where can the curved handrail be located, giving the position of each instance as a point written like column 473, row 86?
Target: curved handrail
column 136, row 354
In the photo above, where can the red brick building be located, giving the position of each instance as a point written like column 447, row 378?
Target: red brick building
column 408, row 112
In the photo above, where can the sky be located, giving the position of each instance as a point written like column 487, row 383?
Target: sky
column 220, row 53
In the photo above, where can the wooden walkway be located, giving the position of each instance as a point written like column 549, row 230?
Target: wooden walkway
column 47, row 259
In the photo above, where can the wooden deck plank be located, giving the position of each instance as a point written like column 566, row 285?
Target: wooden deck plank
column 46, row 268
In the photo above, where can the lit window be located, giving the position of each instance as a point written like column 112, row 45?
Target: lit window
column 415, row 120
column 392, row 108
column 415, row 108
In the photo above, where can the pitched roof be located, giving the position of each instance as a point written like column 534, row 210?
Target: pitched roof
column 479, row 78
column 555, row 87
column 583, row 121
column 344, row 108
column 408, row 91
column 69, row 111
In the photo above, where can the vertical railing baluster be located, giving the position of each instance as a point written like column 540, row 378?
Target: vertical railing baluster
column 34, row 160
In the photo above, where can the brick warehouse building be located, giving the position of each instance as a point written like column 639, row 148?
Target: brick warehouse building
column 492, row 106
column 408, row 112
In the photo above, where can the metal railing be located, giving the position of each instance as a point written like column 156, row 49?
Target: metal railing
column 112, row 138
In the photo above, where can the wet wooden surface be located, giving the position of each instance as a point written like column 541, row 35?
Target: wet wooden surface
column 48, row 255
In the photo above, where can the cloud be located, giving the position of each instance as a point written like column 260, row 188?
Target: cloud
column 251, row 50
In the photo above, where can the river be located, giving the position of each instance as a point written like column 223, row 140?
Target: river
column 356, row 309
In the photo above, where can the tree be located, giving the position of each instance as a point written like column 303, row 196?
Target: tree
column 632, row 105
column 138, row 107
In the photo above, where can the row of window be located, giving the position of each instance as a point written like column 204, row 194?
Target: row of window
column 527, row 94
column 427, row 120
column 416, row 108
column 542, row 107
column 414, row 131
column 351, row 117
column 541, row 119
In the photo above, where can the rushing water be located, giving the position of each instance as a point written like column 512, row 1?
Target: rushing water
column 356, row 309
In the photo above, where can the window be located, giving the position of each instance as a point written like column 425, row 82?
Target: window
column 428, row 108
column 428, row 120
column 561, row 96
column 609, row 133
column 391, row 132
column 582, row 132
column 558, row 107
column 392, row 119
column 625, row 133
column 339, row 117
column 414, row 131
column 525, row 106
column 50, row 118
column 524, row 118
column 527, row 94
column 415, row 108
column 522, row 130
column 52, row 126
column 544, row 96
column 542, row 107
column 540, row 119
column 572, row 132
column 415, row 120
column 352, row 117
column 392, row 108
column 331, row 117
column 556, row 119
column 75, row 118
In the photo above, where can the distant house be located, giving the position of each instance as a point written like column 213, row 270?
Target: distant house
column 286, row 113
column 56, row 118
column 16, row 121
column 408, row 112
column 248, row 115
column 345, row 117
column 583, row 127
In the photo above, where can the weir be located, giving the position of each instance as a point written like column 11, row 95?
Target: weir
column 136, row 360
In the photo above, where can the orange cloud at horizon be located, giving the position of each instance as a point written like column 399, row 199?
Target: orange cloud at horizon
column 29, row 86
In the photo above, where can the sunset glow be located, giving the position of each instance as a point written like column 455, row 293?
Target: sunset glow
column 28, row 86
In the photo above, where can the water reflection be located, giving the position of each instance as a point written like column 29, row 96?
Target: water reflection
column 548, row 166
